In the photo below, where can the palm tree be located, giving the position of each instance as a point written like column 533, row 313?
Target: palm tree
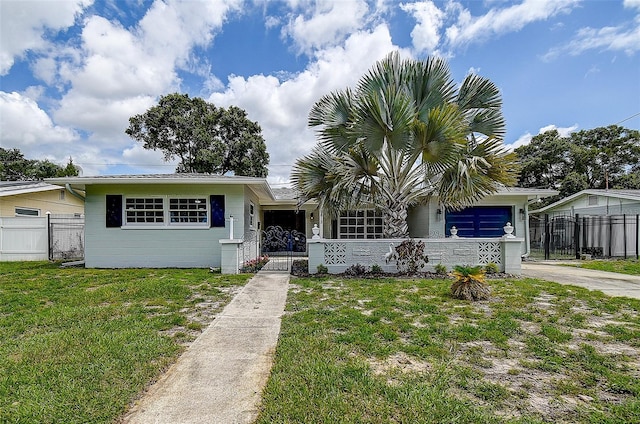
column 406, row 132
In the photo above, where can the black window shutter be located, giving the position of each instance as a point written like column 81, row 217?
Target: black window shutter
column 114, row 211
column 217, row 210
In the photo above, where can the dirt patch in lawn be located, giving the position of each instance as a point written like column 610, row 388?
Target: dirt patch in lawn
column 552, row 367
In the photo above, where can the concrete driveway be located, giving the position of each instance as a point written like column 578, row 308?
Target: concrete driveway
column 610, row 283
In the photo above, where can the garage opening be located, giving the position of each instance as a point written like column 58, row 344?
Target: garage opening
column 479, row 221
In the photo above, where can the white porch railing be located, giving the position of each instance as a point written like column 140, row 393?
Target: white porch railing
column 338, row 255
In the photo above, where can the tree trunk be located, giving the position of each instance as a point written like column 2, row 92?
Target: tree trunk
column 395, row 221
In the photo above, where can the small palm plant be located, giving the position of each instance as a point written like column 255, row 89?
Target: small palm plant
column 470, row 283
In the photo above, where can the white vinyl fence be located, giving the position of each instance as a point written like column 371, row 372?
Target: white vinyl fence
column 24, row 239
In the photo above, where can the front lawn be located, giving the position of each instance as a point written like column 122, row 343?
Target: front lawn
column 405, row 351
column 623, row 266
column 77, row 345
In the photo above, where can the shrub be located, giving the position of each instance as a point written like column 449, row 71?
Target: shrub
column 254, row 265
column 376, row 269
column 322, row 269
column 491, row 268
column 409, row 256
column 300, row 267
column 355, row 270
column 440, row 269
column 469, row 283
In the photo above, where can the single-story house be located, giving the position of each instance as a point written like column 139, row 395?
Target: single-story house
column 182, row 220
column 36, row 198
column 594, row 202
column 603, row 223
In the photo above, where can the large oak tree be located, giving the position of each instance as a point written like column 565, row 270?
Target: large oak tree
column 205, row 138
column 596, row 158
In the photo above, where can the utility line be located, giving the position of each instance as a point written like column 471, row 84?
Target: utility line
column 626, row 119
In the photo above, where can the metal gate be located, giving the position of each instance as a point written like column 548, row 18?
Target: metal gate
column 66, row 237
column 570, row 237
column 276, row 244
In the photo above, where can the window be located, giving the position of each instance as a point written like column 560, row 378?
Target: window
column 593, row 200
column 251, row 214
column 164, row 211
column 27, row 212
column 191, row 211
column 144, row 210
column 360, row 224
column 62, row 194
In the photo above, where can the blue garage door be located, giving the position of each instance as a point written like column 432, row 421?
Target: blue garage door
column 479, row 221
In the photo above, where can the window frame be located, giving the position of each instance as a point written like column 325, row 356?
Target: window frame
column 356, row 224
column 125, row 211
column 252, row 212
column 200, row 223
column 167, row 210
column 24, row 208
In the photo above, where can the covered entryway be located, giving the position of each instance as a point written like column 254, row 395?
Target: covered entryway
column 282, row 237
column 479, row 221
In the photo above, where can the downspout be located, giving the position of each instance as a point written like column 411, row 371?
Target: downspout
column 73, row 193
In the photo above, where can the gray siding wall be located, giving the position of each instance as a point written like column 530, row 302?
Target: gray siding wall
column 606, row 205
column 157, row 247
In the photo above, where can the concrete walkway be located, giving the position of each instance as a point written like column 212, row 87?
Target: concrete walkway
column 610, row 283
column 220, row 377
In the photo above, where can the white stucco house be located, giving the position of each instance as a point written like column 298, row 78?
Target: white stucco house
column 182, row 220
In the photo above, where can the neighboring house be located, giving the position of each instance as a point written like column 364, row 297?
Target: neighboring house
column 594, row 202
column 603, row 223
column 36, row 198
column 178, row 220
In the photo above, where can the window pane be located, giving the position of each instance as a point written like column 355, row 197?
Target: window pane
column 190, row 211
column 144, row 210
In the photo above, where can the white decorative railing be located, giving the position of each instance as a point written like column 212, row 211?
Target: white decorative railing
column 338, row 255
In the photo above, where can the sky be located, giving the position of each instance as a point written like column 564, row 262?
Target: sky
column 72, row 72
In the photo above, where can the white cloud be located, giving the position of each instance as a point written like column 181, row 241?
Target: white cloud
column 282, row 106
column 23, row 23
column 426, row 34
column 15, row 110
column 119, row 72
column 625, row 38
column 106, row 118
column 632, row 3
column 497, row 21
column 326, row 24
column 525, row 138
column 562, row 131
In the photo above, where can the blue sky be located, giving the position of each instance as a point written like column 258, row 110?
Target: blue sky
column 73, row 71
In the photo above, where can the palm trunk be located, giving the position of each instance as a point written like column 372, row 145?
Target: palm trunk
column 395, row 220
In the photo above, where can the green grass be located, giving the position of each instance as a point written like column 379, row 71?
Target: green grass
column 623, row 266
column 405, row 351
column 77, row 346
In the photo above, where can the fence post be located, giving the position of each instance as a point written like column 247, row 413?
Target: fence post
column 576, row 235
column 49, row 236
column 547, row 236
column 624, row 233
column 610, row 233
column 637, row 234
